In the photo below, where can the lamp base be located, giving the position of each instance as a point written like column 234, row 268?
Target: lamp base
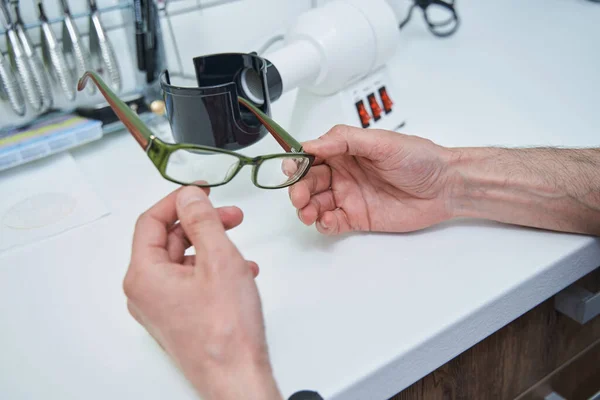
column 368, row 103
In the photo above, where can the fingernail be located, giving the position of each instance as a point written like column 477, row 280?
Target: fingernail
column 189, row 195
column 323, row 225
column 298, row 214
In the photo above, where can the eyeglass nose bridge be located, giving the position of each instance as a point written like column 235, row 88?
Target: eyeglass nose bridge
column 247, row 161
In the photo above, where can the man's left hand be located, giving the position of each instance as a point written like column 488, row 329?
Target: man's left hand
column 203, row 309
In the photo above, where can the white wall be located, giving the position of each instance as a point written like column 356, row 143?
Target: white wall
column 238, row 26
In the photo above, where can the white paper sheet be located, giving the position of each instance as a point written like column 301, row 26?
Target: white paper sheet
column 43, row 199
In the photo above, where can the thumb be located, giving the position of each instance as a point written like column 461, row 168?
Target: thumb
column 200, row 220
column 348, row 140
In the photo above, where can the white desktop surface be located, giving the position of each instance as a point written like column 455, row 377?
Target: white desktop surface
column 357, row 317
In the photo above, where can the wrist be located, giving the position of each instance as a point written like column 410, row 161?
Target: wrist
column 246, row 379
column 458, row 199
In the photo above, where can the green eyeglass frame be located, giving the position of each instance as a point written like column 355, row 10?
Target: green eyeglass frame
column 159, row 151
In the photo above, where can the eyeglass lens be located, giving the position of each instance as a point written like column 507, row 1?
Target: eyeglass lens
column 281, row 171
column 192, row 165
column 188, row 166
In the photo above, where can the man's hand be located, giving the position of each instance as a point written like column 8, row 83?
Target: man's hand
column 203, row 309
column 373, row 180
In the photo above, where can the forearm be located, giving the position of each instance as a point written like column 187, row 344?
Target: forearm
column 555, row 189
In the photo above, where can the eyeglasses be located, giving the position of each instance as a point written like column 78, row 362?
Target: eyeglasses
column 205, row 166
column 440, row 16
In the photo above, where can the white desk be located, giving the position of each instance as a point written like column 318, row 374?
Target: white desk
column 359, row 317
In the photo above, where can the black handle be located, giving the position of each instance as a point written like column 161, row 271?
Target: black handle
column 306, row 395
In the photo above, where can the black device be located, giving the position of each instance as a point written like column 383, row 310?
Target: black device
column 210, row 114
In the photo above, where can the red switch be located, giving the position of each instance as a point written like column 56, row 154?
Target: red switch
column 363, row 114
column 375, row 108
column 385, row 98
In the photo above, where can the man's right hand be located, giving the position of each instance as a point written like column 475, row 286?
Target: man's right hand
column 373, row 180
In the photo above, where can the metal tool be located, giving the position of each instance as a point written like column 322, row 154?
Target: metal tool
column 102, row 51
column 19, row 60
column 140, row 33
column 54, row 57
column 10, row 89
column 151, row 42
column 74, row 48
column 38, row 72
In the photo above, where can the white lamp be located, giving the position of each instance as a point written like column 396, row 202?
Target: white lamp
column 336, row 56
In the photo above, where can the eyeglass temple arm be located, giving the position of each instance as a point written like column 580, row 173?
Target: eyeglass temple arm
column 134, row 124
column 286, row 140
column 142, row 133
